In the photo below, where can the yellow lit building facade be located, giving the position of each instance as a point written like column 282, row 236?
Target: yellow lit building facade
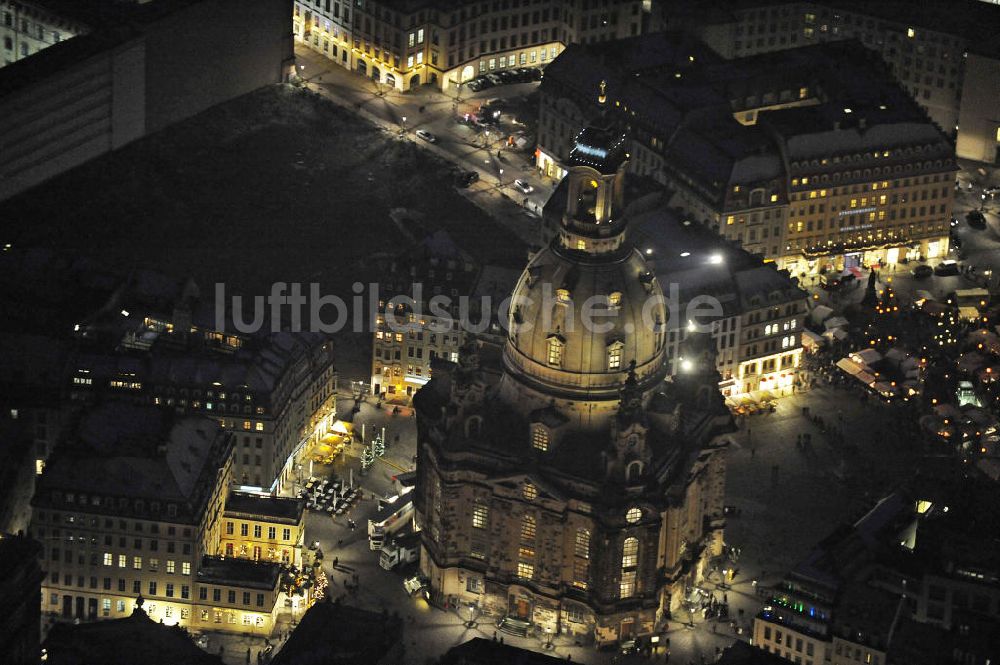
column 146, row 521
column 262, row 527
column 403, row 45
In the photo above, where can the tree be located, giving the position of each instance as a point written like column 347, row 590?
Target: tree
column 367, row 458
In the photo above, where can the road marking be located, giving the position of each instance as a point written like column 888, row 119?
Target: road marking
column 392, row 464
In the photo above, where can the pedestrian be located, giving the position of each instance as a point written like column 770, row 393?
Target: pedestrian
column 248, row 655
column 336, row 560
column 494, row 636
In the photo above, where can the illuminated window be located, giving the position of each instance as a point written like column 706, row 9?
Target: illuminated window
column 539, row 437
column 259, row 427
column 528, row 528
column 736, row 189
column 562, row 295
column 803, row 93
column 911, row 33
column 137, row 562
column 525, row 570
column 615, row 299
column 581, row 573
column 633, row 515
column 630, row 560
column 246, row 424
column 627, row 586
column 729, row 220
column 805, row 181
column 185, row 568
column 121, row 561
column 529, row 492
column 630, row 552
column 480, row 515
column 774, row 197
column 582, row 546
column 615, row 356
column 555, row 352
column 580, row 244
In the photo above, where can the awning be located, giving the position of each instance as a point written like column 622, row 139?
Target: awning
column 866, row 357
column 865, row 378
column 848, row 366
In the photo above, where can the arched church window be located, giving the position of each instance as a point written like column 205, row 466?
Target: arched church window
column 633, row 471
column 539, row 437
column 555, row 351
column 615, row 355
column 630, row 561
column 473, row 426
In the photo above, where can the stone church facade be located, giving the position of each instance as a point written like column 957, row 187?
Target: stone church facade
column 563, row 485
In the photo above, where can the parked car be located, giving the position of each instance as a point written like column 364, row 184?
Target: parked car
column 976, row 219
column 494, row 79
column 526, row 73
column 466, row 179
column 426, row 135
column 479, row 83
column 946, row 267
column 522, row 186
column 923, row 271
column 507, row 76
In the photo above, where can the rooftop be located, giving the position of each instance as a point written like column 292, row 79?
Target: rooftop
column 134, row 639
column 139, row 452
column 331, row 633
column 481, row 651
column 275, row 508
column 239, row 572
column 972, row 20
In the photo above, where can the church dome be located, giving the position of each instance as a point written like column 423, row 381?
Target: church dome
column 579, row 320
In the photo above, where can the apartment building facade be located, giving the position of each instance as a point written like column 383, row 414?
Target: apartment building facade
column 943, row 55
column 410, row 334
column 133, row 506
column 810, row 157
column 121, row 70
column 26, row 28
column 403, row 45
column 275, row 391
column 262, row 527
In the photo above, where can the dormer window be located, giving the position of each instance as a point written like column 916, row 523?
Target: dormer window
column 615, row 356
column 555, row 351
column 539, row 437
column 529, row 492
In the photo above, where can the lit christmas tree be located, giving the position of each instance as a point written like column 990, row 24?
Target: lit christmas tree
column 378, row 447
column 367, row 458
column 884, row 325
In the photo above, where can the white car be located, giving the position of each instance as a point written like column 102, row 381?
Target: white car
column 523, row 186
column 426, row 135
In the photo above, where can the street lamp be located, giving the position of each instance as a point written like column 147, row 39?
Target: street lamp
column 471, row 623
column 500, row 178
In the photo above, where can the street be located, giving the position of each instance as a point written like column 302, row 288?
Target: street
column 784, row 496
column 482, row 150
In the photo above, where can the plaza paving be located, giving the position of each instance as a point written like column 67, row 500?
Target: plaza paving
column 782, row 515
